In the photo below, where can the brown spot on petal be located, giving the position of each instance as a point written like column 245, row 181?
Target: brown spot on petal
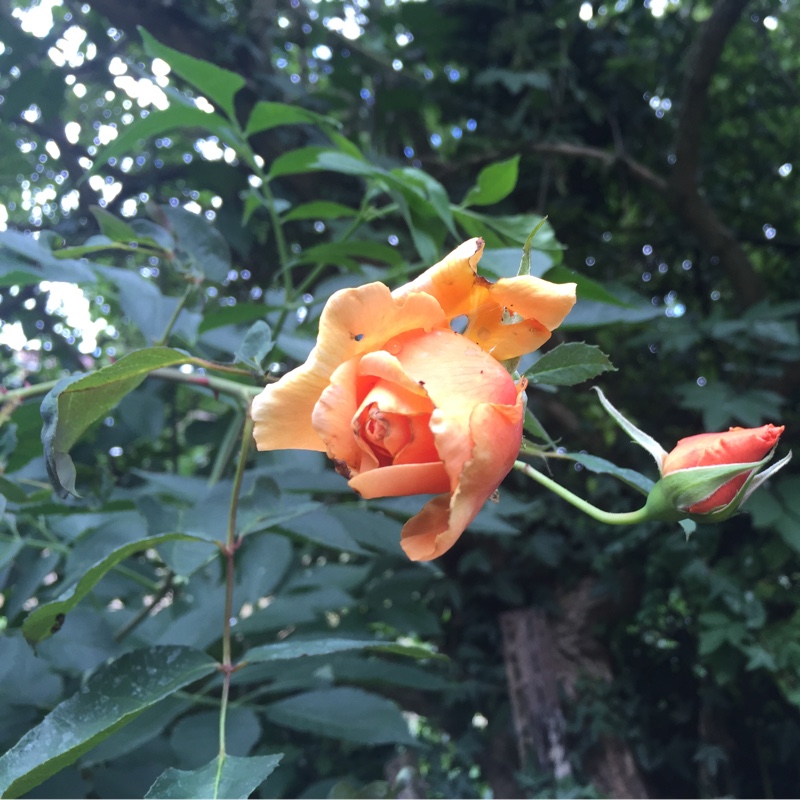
column 342, row 468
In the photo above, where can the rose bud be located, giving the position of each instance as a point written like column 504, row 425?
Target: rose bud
column 712, row 474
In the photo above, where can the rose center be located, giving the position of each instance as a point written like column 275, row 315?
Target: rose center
column 386, row 433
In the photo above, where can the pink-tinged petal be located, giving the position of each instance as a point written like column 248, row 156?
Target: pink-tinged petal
column 497, row 433
column 382, row 364
column 457, row 375
column 399, row 480
column 422, row 447
column 353, row 322
column 734, row 446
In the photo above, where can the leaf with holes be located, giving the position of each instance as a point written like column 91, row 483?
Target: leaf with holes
column 46, row 619
column 74, row 403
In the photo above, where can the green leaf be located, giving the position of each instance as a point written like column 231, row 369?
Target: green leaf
column 116, row 694
column 535, row 428
column 321, row 527
column 225, row 776
column 198, row 243
column 284, row 651
column 217, row 84
column 568, row 364
column 45, row 620
column 148, row 309
column 231, row 315
column 113, row 227
column 37, row 262
column 144, row 728
column 314, row 159
column 157, row 123
column 343, row 713
column 74, row 403
column 347, row 251
column 320, row 209
column 494, row 184
column 588, row 289
column 9, row 550
column 266, row 115
column 603, row 467
column 256, row 346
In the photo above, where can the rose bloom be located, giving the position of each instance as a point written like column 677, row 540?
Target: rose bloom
column 404, row 405
column 735, row 446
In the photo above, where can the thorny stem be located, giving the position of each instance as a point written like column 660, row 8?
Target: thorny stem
column 228, row 551
column 607, row 517
column 241, row 390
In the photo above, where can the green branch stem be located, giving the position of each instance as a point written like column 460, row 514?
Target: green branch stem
column 182, row 300
column 228, row 551
column 221, row 385
column 607, row 517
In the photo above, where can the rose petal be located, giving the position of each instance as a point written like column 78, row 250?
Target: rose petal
column 451, row 281
column 734, row 446
column 353, row 322
column 542, row 306
column 497, row 432
column 402, row 479
column 457, row 375
column 454, row 282
column 332, row 417
column 535, row 299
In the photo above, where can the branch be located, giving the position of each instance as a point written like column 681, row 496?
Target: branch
column 702, row 60
column 608, row 158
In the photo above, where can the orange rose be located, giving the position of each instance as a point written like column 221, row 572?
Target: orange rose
column 403, row 404
column 735, row 446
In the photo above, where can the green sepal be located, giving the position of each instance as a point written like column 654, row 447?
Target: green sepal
column 638, row 436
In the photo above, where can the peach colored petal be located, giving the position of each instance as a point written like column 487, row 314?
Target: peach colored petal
column 353, row 322
column 540, row 305
column 535, row 299
column 451, row 280
column 504, row 340
column 401, row 479
column 382, row 364
column 496, row 432
column 396, row 399
column 385, row 431
column 332, row 417
column 422, row 447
